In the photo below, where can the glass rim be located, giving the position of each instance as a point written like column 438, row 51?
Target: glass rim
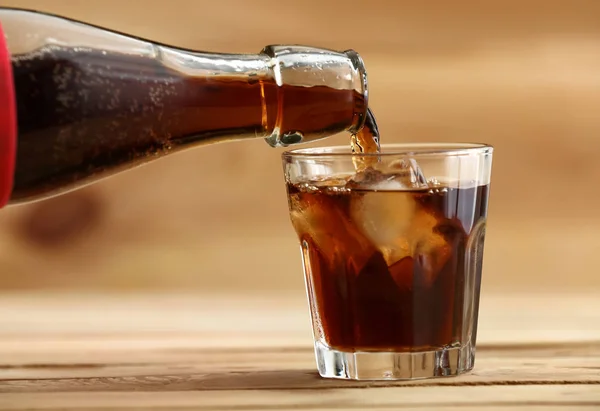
column 395, row 149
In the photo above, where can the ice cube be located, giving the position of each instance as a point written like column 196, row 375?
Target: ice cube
column 408, row 172
column 400, row 226
column 402, row 272
column 385, row 218
column 365, row 178
column 404, row 174
column 322, row 218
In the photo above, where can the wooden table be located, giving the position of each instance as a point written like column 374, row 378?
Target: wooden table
column 251, row 352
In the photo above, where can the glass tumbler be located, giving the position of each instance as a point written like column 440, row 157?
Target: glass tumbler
column 392, row 251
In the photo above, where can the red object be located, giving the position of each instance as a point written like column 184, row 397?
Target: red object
column 8, row 123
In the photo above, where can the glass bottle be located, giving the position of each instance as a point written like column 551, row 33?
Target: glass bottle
column 79, row 103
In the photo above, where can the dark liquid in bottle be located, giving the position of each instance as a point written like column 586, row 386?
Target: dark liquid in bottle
column 83, row 114
column 401, row 290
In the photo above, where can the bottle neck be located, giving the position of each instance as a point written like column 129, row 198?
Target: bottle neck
column 320, row 93
column 287, row 94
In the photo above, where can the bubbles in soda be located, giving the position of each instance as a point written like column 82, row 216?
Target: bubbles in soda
column 385, row 257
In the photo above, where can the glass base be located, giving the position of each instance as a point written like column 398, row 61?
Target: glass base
column 388, row 365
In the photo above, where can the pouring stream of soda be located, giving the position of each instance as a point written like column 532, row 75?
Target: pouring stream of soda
column 366, row 141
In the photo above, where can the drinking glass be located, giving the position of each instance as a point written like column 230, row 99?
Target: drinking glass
column 392, row 251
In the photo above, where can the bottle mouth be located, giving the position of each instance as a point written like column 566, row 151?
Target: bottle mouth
column 304, row 66
column 362, row 88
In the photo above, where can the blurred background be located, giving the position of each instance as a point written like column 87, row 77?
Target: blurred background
column 521, row 75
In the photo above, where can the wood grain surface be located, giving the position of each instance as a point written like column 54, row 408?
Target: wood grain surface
column 178, row 352
column 522, row 76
